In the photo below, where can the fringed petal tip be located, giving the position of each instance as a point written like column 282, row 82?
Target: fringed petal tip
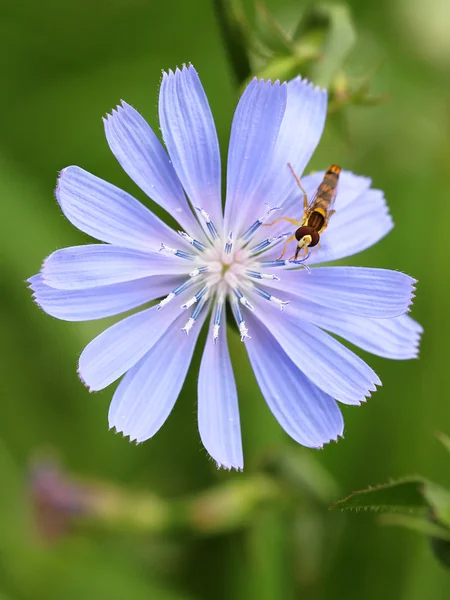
column 84, row 382
column 339, row 436
column 58, row 184
column 126, row 436
column 305, row 83
column 172, row 73
column 33, row 281
column 267, row 82
column 228, row 467
column 121, row 107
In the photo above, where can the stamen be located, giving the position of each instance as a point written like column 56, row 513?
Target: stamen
column 269, row 241
column 301, row 263
column 198, row 296
column 198, row 271
column 257, row 224
column 180, row 253
column 190, row 323
column 218, row 317
column 191, row 240
column 209, row 224
column 242, row 299
column 257, row 275
column 274, row 263
column 229, row 243
column 175, row 293
column 241, row 323
column 271, row 298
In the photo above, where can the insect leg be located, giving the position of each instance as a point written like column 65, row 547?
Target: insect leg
column 293, row 221
column 299, row 183
column 292, row 238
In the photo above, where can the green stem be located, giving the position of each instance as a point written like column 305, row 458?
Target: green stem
column 230, row 18
column 224, row 508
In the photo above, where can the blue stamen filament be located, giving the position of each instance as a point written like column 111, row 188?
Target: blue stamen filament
column 242, row 299
column 180, row 253
column 229, row 243
column 257, row 224
column 271, row 298
column 191, row 321
column 257, row 275
column 198, row 296
column 198, row 245
column 270, row 264
column 198, row 271
column 209, row 224
column 218, row 318
column 266, row 243
column 174, row 293
column 239, row 318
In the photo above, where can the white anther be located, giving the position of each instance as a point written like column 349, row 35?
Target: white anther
column 204, row 214
column 243, row 331
column 166, row 300
column 266, row 215
column 190, row 302
column 167, row 249
column 186, row 237
column 243, row 300
column 189, row 325
column 279, row 302
column 216, row 333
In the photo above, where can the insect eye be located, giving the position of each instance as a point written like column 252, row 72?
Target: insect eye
column 315, row 237
column 302, row 231
column 305, row 230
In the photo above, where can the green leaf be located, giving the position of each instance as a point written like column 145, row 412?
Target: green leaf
column 405, row 495
column 340, row 38
column 302, row 472
column 282, row 68
column 444, row 439
column 418, row 524
column 441, row 549
column 270, row 33
column 439, row 500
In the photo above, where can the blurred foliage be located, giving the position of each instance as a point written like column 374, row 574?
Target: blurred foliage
column 427, row 501
column 316, row 41
column 64, row 65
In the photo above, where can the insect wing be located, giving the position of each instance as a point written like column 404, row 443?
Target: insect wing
column 325, row 195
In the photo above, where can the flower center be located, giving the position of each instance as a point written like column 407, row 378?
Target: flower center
column 227, row 268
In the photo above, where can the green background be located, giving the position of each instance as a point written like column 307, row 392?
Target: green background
column 63, row 66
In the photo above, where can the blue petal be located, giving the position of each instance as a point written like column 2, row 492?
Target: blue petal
column 256, row 125
column 328, row 364
column 356, row 227
column 143, row 157
column 300, row 132
column 373, row 293
column 99, row 302
column 95, row 265
column 218, row 410
column 121, row 346
column 361, row 219
column 148, row 392
column 190, row 136
column 396, row 338
column 307, row 414
column 109, row 214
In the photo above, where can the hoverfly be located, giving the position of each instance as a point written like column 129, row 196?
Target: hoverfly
column 316, row 213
